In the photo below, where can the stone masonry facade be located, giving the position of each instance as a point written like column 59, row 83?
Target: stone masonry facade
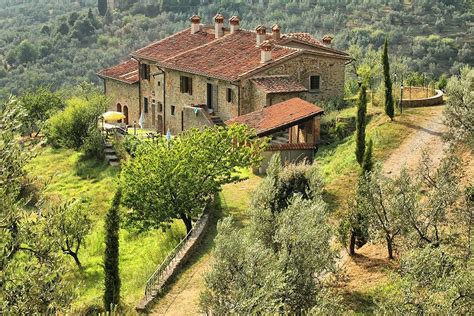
column 221, row 81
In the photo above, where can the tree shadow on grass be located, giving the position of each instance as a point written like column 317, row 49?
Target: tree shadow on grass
column 420, row 128
column 360, row 303
column 93, row 169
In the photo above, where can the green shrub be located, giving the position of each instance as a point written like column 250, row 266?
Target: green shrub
column 71, row 128
column 94, row 144
column 334, row 104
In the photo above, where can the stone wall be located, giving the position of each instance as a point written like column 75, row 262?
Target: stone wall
column 174, row 97
column 124, row 94
column 330, row 70
column 153, row 90
column 437, row 99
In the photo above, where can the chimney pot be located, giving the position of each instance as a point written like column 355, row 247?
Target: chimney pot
column 219, row 25
column 195, row 24
column 261, row 34
column 266, row 51
column 327, row 39
column 234, row 24
column 276, row 32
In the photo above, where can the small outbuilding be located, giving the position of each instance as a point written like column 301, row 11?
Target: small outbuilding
column 292, row 125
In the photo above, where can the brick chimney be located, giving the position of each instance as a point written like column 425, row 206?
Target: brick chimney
column 327, row 39
column 276, row 32
column 261, row 34
column 234, row 24
column 219, row 25
column 195, row 24
column 266, row 51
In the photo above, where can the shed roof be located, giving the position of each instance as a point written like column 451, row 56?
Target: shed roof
column 278, row 116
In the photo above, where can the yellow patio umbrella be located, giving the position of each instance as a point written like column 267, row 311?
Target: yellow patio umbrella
column 112, row 116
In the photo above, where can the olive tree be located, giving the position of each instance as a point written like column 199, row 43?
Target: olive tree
column 177, row 178
column 459, row 112
column 32, row 267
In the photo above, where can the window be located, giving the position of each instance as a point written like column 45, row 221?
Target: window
column 229, row 95
column 145, row 70
column 186, row 84
column 173, row 110
column 160, row 107
column 314, row 82
column 145, row 105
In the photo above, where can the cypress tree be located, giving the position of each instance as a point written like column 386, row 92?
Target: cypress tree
column 111, row 255
column 389, row 109
column 368, row 164
column 360, row 125
column 102, row 6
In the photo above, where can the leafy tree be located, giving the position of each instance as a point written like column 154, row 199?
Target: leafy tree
column 27, row 52
column 82, row 29
column 427, row 217
column 63, row 29
column 102, row 6
column 178, row 178
column 71, row 127
column 69, row 224
column 40, row 105
column 381, row 200
column 281, row 184
column 72, row 18
column 459, row 112
column 389, row 109
column 111, row 256
column 360, row 125
column 432, row 282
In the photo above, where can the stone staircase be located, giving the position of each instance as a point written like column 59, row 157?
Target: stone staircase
column 110, row 154
column 217, row 120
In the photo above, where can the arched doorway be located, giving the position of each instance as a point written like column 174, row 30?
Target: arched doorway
column 125, row 112
column 119, row 109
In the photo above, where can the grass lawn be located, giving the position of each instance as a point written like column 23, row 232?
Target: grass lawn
column 337, row 160
column 68, row 176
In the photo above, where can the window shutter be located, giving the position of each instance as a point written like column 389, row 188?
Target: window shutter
column 190, row 85
column 181, row 84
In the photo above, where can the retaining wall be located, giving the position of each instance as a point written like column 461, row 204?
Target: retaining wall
column 437, row 99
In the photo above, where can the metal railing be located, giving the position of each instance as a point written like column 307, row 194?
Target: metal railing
column 155, row 279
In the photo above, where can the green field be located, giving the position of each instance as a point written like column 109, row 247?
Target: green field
column 66, row 175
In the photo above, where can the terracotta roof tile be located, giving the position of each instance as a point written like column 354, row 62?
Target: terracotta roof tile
column 228, row 57
column 279, row 84
column 277, row 116
column 126, row 71
column 175, row 44
column 300, row 146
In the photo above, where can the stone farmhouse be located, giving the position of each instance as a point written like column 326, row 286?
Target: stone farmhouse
column 211, row 74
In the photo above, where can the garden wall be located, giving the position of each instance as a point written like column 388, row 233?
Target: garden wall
column 437, row 99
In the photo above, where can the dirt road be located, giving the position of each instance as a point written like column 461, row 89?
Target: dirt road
column 426, row 134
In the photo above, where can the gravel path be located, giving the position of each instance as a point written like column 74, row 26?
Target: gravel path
column 426, row 134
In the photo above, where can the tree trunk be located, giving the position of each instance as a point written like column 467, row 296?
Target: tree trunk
column 389, row 247
column 76, row 260
column 352, row 244
column 187, row 222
